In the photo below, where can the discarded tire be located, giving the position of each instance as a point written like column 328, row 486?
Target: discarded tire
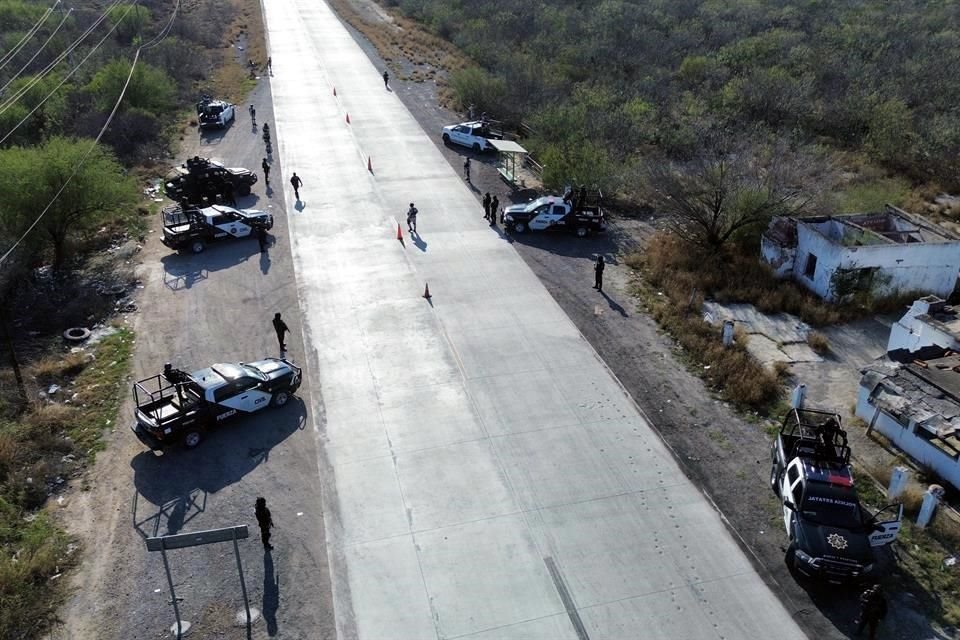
column 76, row 334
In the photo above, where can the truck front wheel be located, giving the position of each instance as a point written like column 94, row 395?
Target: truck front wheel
column 197, row 246
column 520, row 227
column 446, row 139
column 582, row 232
column 192, row 438
column 280, row 399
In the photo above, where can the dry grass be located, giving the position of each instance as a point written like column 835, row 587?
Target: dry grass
column 781, row 369
column 731, row 276
column 59, row 368
column 733, row 371
column 818, row 342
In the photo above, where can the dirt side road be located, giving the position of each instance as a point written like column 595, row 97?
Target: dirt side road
column 196, row 310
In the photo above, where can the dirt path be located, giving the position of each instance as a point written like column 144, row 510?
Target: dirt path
column 196, row 310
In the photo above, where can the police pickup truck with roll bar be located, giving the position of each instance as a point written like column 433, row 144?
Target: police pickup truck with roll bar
column 193, row 228
column 832, row 536
column 580, row 214
column 179, row 407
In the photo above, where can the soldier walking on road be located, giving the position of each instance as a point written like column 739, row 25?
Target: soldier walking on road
column 486, row 206
column 264, row 521
column 281, row 328
column 412, row 219
column 253, row 114
column 386, row 79
column 297, row 183
column 266, row 171
column 873, row 608
column 466, row 169
column 598, row 274
column 494, row 208
column 270, row 65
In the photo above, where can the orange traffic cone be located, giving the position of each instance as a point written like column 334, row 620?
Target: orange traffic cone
column 369, row 164
column 348, row 118
column 426, row 291
column 399, row 233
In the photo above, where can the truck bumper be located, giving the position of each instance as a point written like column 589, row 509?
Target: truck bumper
column 830, row 571
column 146, row 437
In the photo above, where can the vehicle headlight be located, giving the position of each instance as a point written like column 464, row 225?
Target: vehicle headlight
column 508, row 218
column 806, row 558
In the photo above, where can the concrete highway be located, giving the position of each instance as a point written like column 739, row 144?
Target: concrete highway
column 482, row 473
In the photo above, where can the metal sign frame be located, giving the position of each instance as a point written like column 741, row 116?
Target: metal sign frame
column 196, row 539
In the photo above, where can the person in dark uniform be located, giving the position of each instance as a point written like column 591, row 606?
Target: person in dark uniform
column 265, row 522
column 486, row 205
column 494, row 208
column 386, row 79
column 466, row 169
column 873, row 608
column 297, row 183
column 228, row 194
column 262, row 238
column 266, row 171
column 412, row 218
column 598, row 274
column 281, row 328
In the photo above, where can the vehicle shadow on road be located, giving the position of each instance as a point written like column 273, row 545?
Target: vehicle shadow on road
column 172, row 489
column 210, row 137
column 183, row 271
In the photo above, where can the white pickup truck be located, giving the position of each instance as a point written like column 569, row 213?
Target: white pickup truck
column 473, row 135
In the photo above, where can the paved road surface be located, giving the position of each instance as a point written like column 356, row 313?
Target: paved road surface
column 483, row 473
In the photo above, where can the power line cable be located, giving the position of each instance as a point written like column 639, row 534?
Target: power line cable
column 96, row 141
column 61, row 83
column 34, row 57
column 9, row 102
column 8, row 56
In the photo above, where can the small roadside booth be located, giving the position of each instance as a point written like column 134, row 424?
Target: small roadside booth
column 510, row 159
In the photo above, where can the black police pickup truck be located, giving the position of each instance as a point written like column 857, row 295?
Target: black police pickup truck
column 831, row 534
column 179, row 407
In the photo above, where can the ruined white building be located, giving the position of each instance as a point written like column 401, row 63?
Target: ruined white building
column 917, row 406
column 887, row 252
column 929, row 323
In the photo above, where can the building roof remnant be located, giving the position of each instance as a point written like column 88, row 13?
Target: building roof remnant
column 922, row 392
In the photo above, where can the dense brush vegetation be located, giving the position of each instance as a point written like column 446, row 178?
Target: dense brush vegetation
column 603, row 82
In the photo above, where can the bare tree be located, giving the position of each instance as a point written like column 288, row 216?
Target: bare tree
column 732, row 187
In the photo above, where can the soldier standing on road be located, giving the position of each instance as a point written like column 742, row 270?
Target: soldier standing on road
column 386, row 79
column 270, row 65
column 873, row 608
column 412, row 219
column 281, row 328
column 486, row 206
column 266, row 171
column 262, row 238
column 466, row 169
column 598, row 274
column 494, row 208
column 253, row 114
column 264, row 521
column 297, row 183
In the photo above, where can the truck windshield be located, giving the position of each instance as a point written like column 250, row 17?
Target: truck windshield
column 832, row 508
